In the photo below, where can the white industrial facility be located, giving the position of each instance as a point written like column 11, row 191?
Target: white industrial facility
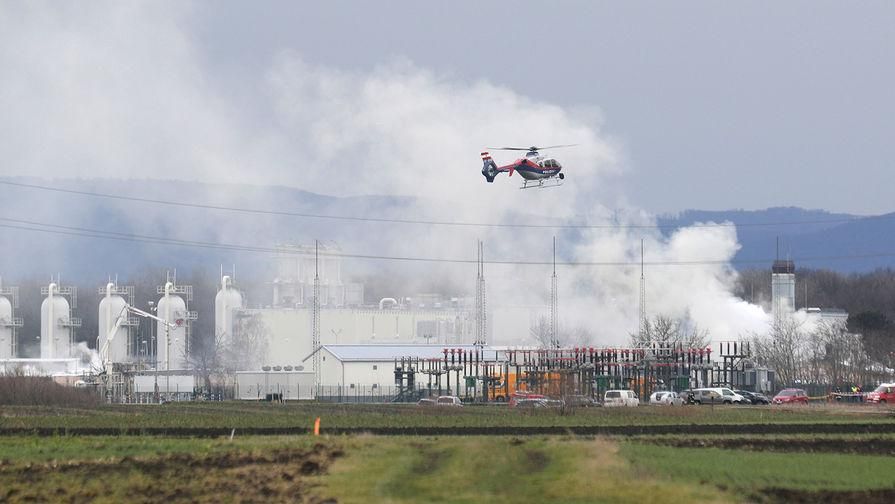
column 172, row 347
column 783, row 297
column 297, row 343
column 9, row 323
column 353, row 366
column 115, row 325
column 57, row 323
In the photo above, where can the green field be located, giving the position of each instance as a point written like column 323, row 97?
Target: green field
column 265, row 415
column 425, row 469
column 800, row 466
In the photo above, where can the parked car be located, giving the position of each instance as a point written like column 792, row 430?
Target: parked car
column 426, row 402
column 754, row 397
column 885, row 393
column 580, row 401
column 516, row 397
column 447, row 400
column 666, row 398
column 530, row 403
column 717, row 395
column 791, row 396
column 620, row 398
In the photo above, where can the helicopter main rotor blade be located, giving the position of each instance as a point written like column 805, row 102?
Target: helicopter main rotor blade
column 556, row 146
column 532, row 148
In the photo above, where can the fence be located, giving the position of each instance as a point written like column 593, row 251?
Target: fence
column 374, row 394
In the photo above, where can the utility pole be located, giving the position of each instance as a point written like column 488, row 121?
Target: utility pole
column 315, row 317
column 481, row 326
column 554, row 304
column 643, row 321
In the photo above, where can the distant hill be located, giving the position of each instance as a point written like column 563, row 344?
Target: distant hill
column 821, row 240
column 27, row 251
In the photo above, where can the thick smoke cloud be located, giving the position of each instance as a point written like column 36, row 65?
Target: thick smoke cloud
column 124, row 91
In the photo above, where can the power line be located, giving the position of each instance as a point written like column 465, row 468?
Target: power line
column 56, row 229
column 284, row 213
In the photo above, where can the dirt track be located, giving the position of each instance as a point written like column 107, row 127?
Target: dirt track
column 619, row 430
column 284, row 475
column 784, row 495
column 863, row 446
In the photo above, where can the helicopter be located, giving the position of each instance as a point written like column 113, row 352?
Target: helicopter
column 535, row 169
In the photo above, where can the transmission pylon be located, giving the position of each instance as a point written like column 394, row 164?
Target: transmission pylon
column 315, row 317
column 554, row 304
column 643, row 329
column 481, row 323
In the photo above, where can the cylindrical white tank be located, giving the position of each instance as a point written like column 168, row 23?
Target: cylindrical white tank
column 226, row 302
column 172, row 345
column 7, row 345
column 111, row 307
column 55, row 326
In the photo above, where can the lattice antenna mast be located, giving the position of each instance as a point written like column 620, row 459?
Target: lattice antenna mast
column 315, row 316
column 554, row 304
column 642, row 321
column 481, row 325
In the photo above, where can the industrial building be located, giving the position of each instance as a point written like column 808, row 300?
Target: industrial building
column 285, row 334
column 275, row 384
column 783, row 297
column 370, row 365
column 297, row 268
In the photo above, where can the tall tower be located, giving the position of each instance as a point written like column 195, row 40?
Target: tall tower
column 783, row 287
column 554, row 304
column 315, row 317
column 642, row 316
column 481, row 325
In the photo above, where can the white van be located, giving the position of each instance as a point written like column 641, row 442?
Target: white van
column 718, row 395
column 620, row 398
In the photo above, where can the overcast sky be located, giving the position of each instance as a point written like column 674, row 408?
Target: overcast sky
column 709, row 105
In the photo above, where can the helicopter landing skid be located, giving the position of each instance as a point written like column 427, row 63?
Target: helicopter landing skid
column 541, row 184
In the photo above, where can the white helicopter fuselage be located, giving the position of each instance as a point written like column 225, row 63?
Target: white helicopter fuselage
column 540, row 167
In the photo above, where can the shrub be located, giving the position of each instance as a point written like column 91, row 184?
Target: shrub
column 18, row 388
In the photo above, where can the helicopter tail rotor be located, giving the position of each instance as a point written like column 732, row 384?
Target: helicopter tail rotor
column 489, row 167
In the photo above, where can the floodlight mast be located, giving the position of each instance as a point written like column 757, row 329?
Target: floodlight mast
column 122, row 318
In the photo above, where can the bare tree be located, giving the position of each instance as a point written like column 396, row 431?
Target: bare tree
column 783, row 349
column 664, row 330
column 248, row 346
column 565, row 336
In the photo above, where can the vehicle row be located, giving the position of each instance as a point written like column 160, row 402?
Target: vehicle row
column 623, row 398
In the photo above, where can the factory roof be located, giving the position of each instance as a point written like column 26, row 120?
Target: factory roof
column 389, row 352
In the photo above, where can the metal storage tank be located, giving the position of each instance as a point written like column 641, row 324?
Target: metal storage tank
column 7, row 330
column 55, row 325
column 111, row 307
column 172, row 345
column 226, row 302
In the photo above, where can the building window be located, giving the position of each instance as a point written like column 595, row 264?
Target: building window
column 375, row 367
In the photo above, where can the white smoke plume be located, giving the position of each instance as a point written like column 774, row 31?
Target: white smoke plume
column 123, row 90
column 88, row 358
